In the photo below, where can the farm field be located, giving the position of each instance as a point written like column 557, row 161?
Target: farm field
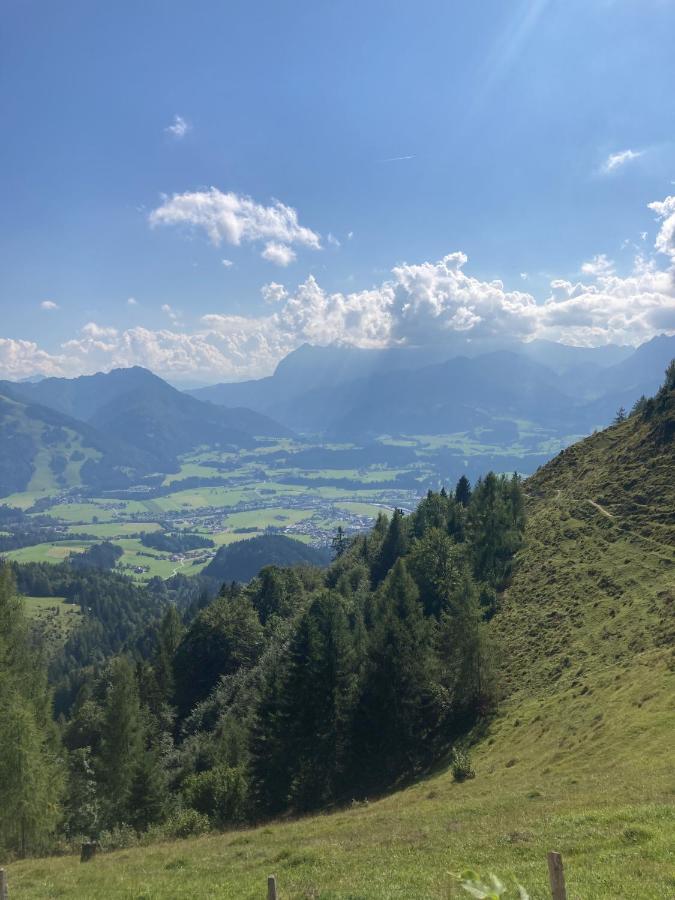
column 303, row 490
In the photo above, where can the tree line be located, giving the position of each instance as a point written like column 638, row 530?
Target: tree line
column 303, row 689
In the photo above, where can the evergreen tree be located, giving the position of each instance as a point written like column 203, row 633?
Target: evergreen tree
column 224, row 637
column 461, row 660
column 271, row 756
column 397, row 708
column 171, row 632
column 304, row 720
column 339, row 543
column 436, row 564
column 495, row 523
column 83, row 809
column 149, row 796
column 122, row 742
column 463, row 491
column 31, row 775
column 394, row 545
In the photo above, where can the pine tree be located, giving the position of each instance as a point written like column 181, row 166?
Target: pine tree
column 463, row 491
column 149, row 796
column 396, row 710
column 394, row 546
column 31, row 774
column 271, row 758
column 83, row 809
column 302, row 737
column 339, row 543
column 171, row 631
column 495, row 527
column 225, row 637
column 435, row 562
column 122, row 741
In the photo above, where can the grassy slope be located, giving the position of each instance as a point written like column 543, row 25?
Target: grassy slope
column 579, row 758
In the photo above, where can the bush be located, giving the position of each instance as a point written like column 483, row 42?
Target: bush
column 185, row 823
column 460, row 765
column 120, row 837
column 219, row 793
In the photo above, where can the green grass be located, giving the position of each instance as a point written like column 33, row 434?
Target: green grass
column 192, row 470
column 54, row 617
column 578, row 759
column 51, row 552
column 535, row 790
column 109, row 530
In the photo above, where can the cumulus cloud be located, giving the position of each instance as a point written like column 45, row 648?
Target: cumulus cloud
column 279, row 254
column 132, row 301
column 227, row 263
column 613, row 309
column 178, row 128
column 615, row 161
column 237, row 219
column 599, row 265
column 273, row 292
column 417, row 304
column 19, row 359
column 48, row 305
column 665, row 239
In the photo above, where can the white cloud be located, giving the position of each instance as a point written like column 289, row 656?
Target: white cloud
column 132, row 301
column 49, row 304
column 19, row 359
column 665, row 239
column 416, row 304
column 273, row 292
column 331, row 239
column 170, row 312
column 178, row 128
column 238, row 219
column 227, row 263
column 91, row 329
column 599, row 265
column 616, row 160
column 350, row 235
column 279, row 254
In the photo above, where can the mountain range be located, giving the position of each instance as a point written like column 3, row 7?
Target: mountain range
column 349, row 394
column 108, row 430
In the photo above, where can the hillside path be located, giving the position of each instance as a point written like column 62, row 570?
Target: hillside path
column 601, row 509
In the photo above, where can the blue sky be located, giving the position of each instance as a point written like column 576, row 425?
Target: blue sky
column 528, row 136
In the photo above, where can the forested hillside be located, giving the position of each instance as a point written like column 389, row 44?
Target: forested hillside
column 104, row 431
column 297, row 691
column 505, row 652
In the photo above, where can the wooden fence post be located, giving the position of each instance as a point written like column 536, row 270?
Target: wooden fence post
column 4, row 889
column 271, row 888
column 556, row 876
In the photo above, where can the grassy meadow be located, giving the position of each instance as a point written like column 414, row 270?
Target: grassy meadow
column 543, row 781
column 578, row 757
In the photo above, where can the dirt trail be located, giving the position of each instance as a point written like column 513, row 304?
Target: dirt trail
column 601, row 509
